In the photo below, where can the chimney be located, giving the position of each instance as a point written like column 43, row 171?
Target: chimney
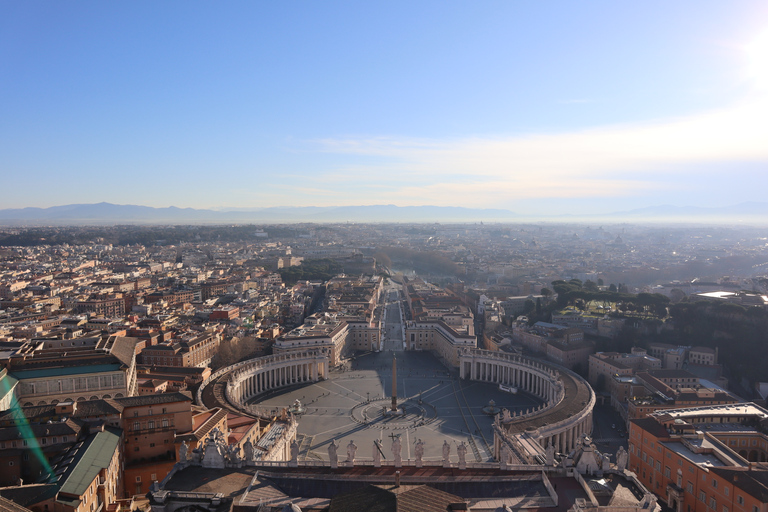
column 397, row 478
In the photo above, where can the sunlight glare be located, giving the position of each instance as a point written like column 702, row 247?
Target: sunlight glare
column 757, row 54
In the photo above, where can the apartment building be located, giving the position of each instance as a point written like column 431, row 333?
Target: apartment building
column 703, row 459
column 50, row 371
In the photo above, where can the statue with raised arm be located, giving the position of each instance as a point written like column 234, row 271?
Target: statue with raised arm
column 446, row 454
column 376, row 453
column 332, row 455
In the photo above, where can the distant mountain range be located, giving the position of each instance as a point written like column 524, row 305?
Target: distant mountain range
column 107, row 213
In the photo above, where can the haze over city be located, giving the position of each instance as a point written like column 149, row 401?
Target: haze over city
column 558, row 107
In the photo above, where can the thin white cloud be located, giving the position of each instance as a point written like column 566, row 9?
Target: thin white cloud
column 598, row 162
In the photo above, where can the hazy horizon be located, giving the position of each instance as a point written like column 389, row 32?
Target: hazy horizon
column 537, row 108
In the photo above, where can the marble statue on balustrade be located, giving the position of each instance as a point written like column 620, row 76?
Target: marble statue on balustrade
column 197, row 456
column 587, row 460
column 248, row 451
column 446, row 454
column 396, row 452
column 235, row 458
column 462, row 451
column 606, row 462
column 621, row 459
column 351, row 451
column 215, row 451
column 376, row 453
column 551, row 455
column 332, row 454
column 294, row 454
column 183, row 452
column 419, row 453
column 506, row 416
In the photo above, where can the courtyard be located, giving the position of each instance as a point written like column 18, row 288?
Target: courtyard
column 434, row 406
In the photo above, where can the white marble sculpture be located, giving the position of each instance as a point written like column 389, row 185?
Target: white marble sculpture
column 551, row 455
column 419, row 453
column 376, row 454
column 462, row 451
column 332, row 454
column 248, row 451
column 621, row 459
column 183, row 452
column 396, row 450
column 351, row 451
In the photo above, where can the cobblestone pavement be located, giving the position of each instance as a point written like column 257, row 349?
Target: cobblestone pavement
column 434, row 405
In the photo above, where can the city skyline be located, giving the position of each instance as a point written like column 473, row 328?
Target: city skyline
column 557, row 107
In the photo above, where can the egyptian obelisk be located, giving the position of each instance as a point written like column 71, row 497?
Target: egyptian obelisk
column 394, row 384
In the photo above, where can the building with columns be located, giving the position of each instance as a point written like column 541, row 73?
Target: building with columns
column 566, row 411
column 245, row 380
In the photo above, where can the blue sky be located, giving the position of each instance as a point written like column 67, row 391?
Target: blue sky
column 564, row 106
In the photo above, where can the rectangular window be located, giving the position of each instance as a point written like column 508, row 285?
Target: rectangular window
column 712, row 503
column 714, row 483
column 690, row 487
column 726, row 491
column 667, row 472
column 702, row 497
column 740, row 500
column 725, row 509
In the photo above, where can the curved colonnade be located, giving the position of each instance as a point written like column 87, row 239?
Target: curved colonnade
column 250, row 378
column 568, row 398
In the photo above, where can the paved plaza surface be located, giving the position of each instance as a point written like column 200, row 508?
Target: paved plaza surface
column 434, row 405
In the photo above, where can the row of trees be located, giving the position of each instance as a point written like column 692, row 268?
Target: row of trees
column 571, row 292
column 311, row 270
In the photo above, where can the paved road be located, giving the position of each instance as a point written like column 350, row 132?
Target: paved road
column 393, row 315
column 606, row 437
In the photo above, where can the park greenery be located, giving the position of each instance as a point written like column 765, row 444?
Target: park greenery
column 740, row 334
column 311, row 270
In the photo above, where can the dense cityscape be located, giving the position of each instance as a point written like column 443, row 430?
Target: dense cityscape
column 384, row 256
column 140, row 362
